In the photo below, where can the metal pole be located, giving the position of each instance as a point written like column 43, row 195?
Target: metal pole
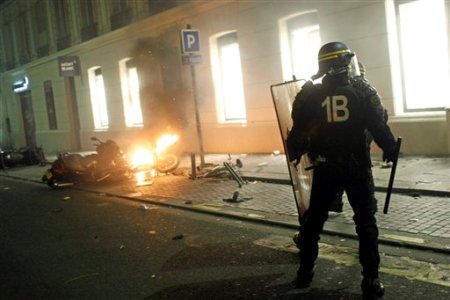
column 193, row 167
column 197, row 115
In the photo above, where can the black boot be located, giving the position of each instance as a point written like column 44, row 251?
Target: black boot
column 304, row 277
column 372, row 288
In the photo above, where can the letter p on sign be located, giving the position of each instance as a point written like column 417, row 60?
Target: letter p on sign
column 190, row 41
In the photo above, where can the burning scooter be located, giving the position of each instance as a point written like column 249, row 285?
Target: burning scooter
column 148, row 161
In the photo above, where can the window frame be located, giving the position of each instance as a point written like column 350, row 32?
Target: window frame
column 99, row 108
column 125, row 65
column 287, row 26
column 218, row 43
column 397, row 57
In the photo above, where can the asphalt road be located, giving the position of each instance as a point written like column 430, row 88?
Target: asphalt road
column 70, row 244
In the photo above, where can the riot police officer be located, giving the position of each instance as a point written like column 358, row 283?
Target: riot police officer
column 330, row 123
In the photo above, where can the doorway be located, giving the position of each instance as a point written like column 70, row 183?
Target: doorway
column 29, row 124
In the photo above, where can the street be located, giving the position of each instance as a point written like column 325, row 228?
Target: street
column 71, row 244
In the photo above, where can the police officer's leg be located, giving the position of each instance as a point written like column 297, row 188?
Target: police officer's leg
column 360, row 192
column 337, row 204
column 322, row 194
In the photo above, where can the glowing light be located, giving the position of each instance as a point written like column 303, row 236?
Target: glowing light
column 142, row 157
column 140, row 177
column 165, row 142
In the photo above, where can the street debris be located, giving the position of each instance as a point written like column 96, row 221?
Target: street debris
column 122, row 247
column 66, row 198
column 276, row 152
column 144, row 207
column 80, row 277
column 234, row 174
column 152, row 232
column 135, row 194
column 178, row 237
column 415, row 195
column 237, row 198
column 239, row 163
column 227, row 170
column 255, row 216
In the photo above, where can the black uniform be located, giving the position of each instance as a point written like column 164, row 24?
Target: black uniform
column 331, row 121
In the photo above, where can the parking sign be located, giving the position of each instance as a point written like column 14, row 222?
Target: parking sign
column 190, row 41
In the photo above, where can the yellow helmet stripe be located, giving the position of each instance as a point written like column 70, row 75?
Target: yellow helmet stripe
column 332, row 55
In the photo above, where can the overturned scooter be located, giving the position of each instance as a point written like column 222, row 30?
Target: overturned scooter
column 71, row 168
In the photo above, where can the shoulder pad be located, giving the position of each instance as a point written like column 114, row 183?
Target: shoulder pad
column 309, row 87
column 308, row 84
column 363, row 85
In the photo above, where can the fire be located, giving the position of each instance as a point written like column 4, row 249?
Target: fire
column 165, row 142
column 144, row 159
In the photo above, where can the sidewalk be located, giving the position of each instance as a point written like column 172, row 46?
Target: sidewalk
column 418, row 215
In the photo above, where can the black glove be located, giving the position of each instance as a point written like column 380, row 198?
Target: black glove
column 390, row 155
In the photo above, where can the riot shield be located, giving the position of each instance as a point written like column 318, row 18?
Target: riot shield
column 283, row 96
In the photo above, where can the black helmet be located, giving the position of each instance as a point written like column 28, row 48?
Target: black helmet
column 333, row 58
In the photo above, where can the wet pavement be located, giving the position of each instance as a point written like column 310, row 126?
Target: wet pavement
column 418, row 214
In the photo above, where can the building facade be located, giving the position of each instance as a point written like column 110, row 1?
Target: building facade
column 131, row 70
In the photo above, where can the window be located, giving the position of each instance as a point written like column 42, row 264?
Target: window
column 88, row 9
column 119, row 6
column 50, row 103
column 157, row 6
column 62, row 15
column 130, row 93
column 23, row 39
column 8, row 46
column 300, row 43
column 40, row 25
column 419, row 54
column 121, row 13
column 98, row 98
column 228, row 79
column 88, row 12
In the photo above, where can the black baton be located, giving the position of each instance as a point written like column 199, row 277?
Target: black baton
column 392, row 176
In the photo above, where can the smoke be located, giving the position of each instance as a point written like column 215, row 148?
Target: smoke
column 163, row 97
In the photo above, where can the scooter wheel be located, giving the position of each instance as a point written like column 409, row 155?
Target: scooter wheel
column 167, row 163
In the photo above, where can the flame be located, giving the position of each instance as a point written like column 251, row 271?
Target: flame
column 140, row 177
column 142, row 157
column 164, row 142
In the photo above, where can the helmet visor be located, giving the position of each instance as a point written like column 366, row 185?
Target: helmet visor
column 353, row 67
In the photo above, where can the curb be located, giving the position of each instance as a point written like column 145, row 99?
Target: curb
column 395, row 190
column 331, row 228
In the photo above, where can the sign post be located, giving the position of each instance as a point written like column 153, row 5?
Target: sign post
column 190, row 45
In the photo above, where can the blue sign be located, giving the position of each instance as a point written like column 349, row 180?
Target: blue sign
column 190, row 41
